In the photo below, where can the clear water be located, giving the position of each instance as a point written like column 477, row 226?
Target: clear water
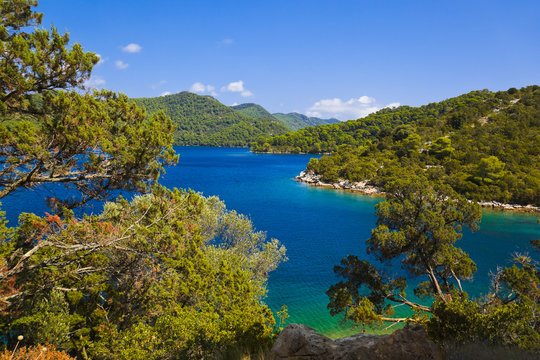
column 318, row 226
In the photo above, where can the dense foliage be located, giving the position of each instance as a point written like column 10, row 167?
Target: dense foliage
column 91, row 142
column 418, row 225
column 380, row 125
column 292, row 121
column 167, row 275
column 204, row 121
column 484, row 145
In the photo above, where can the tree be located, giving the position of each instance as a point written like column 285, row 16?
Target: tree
column 490, row 169
column 402, row 132
column 166, row 275
column 441, row 147
column 458, row 120
column 507, row 316
column 418, row 225
column 94, row 143
column 408, row 146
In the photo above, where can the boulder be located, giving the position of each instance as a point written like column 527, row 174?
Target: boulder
column 300, row 342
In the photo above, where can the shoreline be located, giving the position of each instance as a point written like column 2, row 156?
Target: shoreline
column 363, row 188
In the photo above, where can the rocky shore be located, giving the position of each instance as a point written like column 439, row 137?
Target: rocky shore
column 363, row 187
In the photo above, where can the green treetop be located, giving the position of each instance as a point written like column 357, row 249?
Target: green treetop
column 418, row 225
column 94, row 142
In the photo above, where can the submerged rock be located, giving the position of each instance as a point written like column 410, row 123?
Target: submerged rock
column 298, row 341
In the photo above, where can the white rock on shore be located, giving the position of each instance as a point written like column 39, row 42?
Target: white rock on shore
column 362, row 187
column 510, row 207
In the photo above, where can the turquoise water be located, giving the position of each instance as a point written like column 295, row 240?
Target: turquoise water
column 318, row 226
column 321, row 226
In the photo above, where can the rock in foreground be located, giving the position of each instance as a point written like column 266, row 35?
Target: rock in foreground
column 300, row 342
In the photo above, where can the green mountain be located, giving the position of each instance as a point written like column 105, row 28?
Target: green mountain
column 253, row 110
column 483, row 144
column 292, row 121
column 296, row 121
column 204, row 121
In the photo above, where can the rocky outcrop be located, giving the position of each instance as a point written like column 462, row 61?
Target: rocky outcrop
column 509, row 207
column 362, row 186
column 300, row 342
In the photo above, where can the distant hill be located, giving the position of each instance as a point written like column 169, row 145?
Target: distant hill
column 204, row 121
column 253, row 110
column 296, row 121
column 292, row 121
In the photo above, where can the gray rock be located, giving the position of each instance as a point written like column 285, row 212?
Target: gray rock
column 300, row 342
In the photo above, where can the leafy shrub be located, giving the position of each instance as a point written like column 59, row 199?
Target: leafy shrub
column 45, row 352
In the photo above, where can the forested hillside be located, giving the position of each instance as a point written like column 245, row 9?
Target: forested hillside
column 204, row 121
column 324, row 139
column 296, row 121
column 484, row 144
column 292, row 121
column 253, row 110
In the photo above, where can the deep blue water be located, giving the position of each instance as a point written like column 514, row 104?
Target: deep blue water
column 317, row 226
column 321, row 226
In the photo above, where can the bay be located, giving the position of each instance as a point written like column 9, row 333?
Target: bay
column 318, row 226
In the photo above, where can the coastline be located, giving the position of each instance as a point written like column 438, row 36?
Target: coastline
column 363, row 188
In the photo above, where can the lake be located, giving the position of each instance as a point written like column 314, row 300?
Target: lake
column 318, row 226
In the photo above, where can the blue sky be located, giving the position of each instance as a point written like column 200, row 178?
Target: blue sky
column 328, row 58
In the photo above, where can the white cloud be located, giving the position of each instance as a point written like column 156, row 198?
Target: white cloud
column 101, row 59
column 158, row 84
column 313, row 114
column 95, row 82
column 227, row 42
column 200, row 88
column 365, row 100
column 346, row 109
column 234, row 104
column 165, row 93
column 132, row 48
column 121, row 65
column 197, row 87
column 393, row 105
column 237, row 87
